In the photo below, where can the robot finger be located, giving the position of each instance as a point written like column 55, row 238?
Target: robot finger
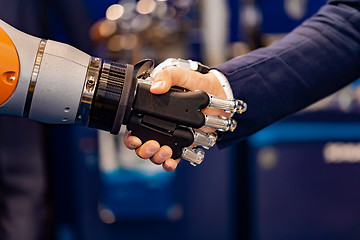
column 221, row 123
column 193, row 155
column 205, row 140
column 230, row 105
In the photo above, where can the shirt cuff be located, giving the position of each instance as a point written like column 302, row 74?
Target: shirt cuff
column 224, row 83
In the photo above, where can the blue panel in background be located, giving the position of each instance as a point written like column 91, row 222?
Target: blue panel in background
column 234, row 19
column 305, row 132
column 97, row 9
column 302, row 189
column 200, row 199
column 134, row 195
column 281, row 18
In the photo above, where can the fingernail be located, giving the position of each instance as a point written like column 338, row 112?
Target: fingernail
column 151, row 149
column 167, row 168
column 159, row 84
column 133, row 145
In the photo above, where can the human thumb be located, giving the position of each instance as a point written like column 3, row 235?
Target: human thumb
column 176, row 76
column 160, row 87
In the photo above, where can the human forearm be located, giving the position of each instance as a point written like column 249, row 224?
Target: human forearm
column 316, row 59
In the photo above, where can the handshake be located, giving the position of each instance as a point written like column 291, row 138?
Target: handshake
column 178, row 109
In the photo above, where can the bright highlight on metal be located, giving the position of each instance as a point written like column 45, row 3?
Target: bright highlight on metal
column 222, row 124
column 34, row 77
column 231, row 106
column 87, row 96
column 206, row 140
column 194, row 155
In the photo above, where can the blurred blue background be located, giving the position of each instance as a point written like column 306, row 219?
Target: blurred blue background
column 296, row 179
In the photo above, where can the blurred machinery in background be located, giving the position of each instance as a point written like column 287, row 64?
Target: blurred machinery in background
column 302, row 180
column 115, row 194
column 134, row 30
column 292, row 185
column 130, row 32
column 25, row 182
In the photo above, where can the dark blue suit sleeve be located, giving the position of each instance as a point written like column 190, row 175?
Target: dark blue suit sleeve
column 316, row 59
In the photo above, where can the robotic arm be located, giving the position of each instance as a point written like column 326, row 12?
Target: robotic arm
column 104, row 95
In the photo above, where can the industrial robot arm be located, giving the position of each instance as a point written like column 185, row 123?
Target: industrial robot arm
column 55, row 83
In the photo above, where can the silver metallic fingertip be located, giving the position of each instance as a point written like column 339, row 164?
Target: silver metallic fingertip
column 194, row 155
column 222, row 123
column 240, row 106
column 206, row 140
column 233, row 125
column 228, row 105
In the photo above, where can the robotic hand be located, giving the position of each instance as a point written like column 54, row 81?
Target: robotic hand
column 55, row 83
column 174, row 118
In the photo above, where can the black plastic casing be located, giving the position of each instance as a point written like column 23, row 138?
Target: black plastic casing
column 113, row 97
column 167, row 118
column 175, row 106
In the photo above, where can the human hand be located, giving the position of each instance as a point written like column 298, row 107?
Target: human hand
column 163, row 81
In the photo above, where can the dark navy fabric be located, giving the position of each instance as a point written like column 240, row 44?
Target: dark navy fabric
column 319, row 57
